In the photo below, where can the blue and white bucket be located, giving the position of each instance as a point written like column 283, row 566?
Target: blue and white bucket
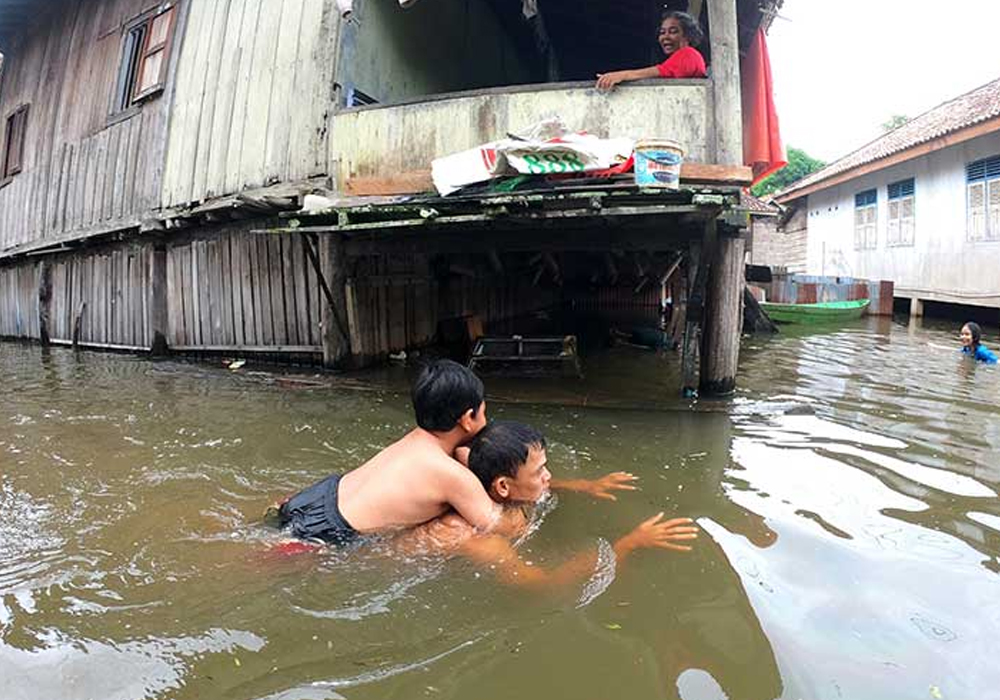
column 658, row 163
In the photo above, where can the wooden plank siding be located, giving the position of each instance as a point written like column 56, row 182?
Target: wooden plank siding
column 252, row 97
column 19, row 301
column 238, row 291
column 82, row 173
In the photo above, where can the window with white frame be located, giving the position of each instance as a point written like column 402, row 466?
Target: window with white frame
column 982, row 189
column 901, row 220
column 865, row 220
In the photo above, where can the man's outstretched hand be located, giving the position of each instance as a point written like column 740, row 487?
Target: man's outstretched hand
column 657, row 532
column 604, row 487
column 615, row 481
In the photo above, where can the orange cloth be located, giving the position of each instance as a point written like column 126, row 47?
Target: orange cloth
column 762, row 147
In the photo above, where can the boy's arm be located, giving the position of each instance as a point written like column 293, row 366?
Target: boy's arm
column 499, row 555
column 598, row 488
column 466, row 495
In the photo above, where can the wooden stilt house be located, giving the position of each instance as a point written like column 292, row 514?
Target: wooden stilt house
column 156, row 159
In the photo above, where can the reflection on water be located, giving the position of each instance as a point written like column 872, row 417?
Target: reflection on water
column 848, row 498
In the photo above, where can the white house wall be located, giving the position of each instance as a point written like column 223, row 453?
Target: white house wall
column 941, row 265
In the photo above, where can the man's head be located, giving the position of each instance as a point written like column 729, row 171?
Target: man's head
column 509, row 459
column 447, row 396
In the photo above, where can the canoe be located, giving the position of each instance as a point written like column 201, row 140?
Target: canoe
column 824, row 312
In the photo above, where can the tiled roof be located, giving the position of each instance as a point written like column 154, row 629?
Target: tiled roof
column 757, row 206
column 969, row 109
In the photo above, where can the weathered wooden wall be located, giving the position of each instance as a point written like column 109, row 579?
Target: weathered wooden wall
column 80, row 173
column 19, row 301
column 239, row 291
column 254, row 88
column 109, row 290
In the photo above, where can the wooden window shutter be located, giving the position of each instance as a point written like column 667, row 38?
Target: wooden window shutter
column 977, row 211
column 993, row 230
column 893, row 224
column 13, row 153
column 155, row 55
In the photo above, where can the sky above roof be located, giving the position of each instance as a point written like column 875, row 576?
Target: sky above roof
column 840, row 74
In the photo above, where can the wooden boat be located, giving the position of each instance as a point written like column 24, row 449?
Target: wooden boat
column 527, row 355
column 823, row 312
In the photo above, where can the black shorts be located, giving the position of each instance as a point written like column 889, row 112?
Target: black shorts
column 314, row 513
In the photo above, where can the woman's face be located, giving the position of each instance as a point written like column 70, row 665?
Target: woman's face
column 966, row 336
column 671, row 36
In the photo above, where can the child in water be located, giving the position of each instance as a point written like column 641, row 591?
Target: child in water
column 971, row 333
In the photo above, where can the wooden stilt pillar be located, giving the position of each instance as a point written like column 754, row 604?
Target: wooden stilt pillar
column 158, row 305
column 44, row 301
column 692, row 321
column 337, row 350
column 720, row 349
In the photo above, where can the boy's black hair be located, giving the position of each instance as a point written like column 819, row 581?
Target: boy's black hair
column 501, row 448
column 688, row 23
column 976, row 331
column 443, row 392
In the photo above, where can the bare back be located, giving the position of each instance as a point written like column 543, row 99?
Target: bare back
column 412, row 481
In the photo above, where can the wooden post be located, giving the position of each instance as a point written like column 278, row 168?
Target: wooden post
column 726, row 88
column 692, row 320
column 916, row 307
column 720, row 351
column 337, row 346
column 44, row 301
column 158, row 305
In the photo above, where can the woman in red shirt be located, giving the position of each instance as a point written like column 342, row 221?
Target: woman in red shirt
column 679, row 34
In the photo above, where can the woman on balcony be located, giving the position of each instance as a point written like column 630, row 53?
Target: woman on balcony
column 678, row 35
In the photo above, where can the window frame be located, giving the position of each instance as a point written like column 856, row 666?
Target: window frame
column 866, row 232
column 14, row 137
column 127, row 98
column 900, row 193
column 983, row 173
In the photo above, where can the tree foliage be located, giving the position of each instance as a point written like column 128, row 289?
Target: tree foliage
column 894, row 122
column 799, row 165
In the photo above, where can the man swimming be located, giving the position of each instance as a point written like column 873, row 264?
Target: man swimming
column 418, row 477
column 509, row 460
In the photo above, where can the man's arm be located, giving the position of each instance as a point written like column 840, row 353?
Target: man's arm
column 598, row 488
column 497, row 553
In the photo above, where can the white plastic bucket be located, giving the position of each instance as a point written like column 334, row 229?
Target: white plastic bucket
column 658, row 163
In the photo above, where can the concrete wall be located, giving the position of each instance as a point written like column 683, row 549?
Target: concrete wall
column 389, row 140
column 942, row 264
column 435, row 46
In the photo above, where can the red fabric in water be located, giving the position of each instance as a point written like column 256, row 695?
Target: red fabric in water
column 762, row 147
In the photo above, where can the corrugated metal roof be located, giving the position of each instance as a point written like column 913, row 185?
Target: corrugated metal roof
column 969, row 109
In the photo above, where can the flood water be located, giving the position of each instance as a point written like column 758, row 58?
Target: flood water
column 847, row 495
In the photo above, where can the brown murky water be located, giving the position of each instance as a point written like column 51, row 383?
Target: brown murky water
column 848, row 497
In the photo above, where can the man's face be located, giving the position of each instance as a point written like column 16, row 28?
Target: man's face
column 472, row 423
column 531, row 481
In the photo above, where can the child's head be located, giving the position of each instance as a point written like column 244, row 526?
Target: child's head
column 509, row 459
column 446, row 396
column 677, row 30
column 971, row 333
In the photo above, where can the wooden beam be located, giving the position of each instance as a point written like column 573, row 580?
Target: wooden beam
column 720, row 350
column 411, row 182
column 952, row 139
column 158, row 304
column 44, row 300
column 716, row 174
column 726, row 88
column 419, row 181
